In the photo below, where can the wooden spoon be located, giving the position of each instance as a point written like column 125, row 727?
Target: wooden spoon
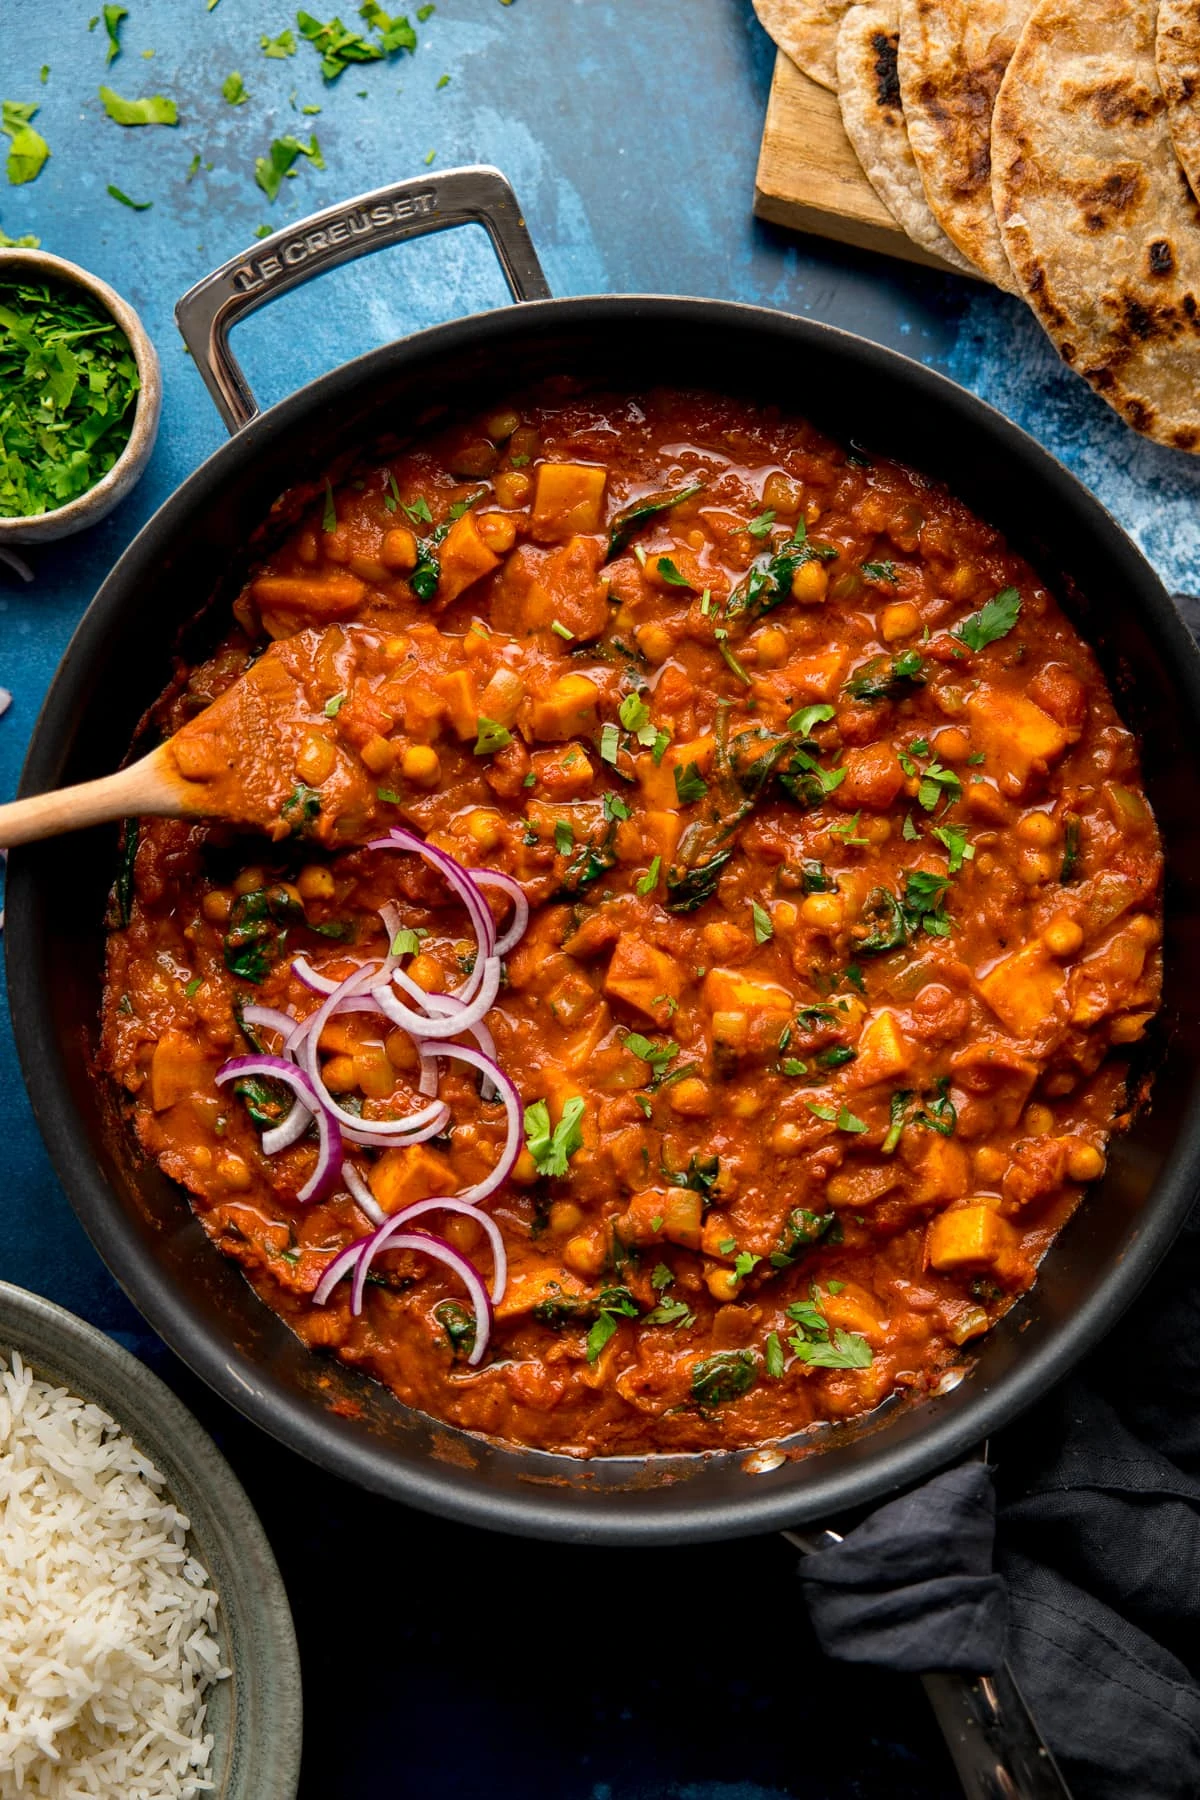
column 238, row 760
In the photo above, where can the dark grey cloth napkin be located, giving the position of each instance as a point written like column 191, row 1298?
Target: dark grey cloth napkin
column 1088, row 1581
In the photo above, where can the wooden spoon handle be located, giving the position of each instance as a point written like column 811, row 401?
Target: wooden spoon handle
column 148, row 786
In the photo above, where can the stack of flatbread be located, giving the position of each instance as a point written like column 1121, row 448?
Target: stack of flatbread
column 1052, row 146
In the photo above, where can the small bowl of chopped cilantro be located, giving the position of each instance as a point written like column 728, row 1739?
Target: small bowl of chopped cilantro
column 80, row 394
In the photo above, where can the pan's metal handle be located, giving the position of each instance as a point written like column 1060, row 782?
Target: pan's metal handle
column 994, row 1743
column 472, row 196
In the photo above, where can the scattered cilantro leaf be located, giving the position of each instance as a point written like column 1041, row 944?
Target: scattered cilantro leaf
column 28, row 149
column 764, row 931
column 490, row 735
column 112, row 16
column 690, row 785
column 278, row 47
column 760, row 526
column 152, row 109
column 995, row 620
column 134, row 205
column 233, row 89
column 271, row 170
column 803, row 722
column 552, row 1150
column 647, row 883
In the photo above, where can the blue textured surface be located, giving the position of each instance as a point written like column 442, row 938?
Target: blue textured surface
column 630, row 133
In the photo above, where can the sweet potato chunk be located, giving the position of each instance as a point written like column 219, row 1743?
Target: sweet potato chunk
column 643, row 977
column 456, row 690
column 883, row 1052
column 566, row 710
column 731, row 991
column 657, row 780
column 1017, row 736
column 567, row 498
column 412, row 1173
column 464, row 558
column 179, row 1068
column 321, row 597
column 656, row 1214
column 873, row 779
column 970, row 1237
column 1025, row 989
column 549, row 1286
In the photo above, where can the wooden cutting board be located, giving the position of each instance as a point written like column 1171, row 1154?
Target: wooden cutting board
column 809, row 177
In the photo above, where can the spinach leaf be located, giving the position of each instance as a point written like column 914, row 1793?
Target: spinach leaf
column 630, row 519
column 726, row 1376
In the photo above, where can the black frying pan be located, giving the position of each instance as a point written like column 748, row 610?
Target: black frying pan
column 193, row 552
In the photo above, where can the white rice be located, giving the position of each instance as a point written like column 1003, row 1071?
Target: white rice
column 107, row 1645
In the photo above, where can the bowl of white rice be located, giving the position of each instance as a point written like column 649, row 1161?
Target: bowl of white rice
column 146, row 1645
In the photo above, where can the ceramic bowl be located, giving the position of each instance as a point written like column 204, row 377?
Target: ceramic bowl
column 86, row 509
column 255, row 1714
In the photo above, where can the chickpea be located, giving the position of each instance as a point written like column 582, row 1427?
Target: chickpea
column 1130, row 1027
column 378, row 754
column 316, row 758
column 373, row 1071
column 217, row 905
column 952, row 745
column 524, row 1169
column 785, row 915
column 786, row 1138
column 782, row 493
column 722, row 1284
column 339, row 1075
column 1062, row 936
column 501, row 425
column 426, row 971
column 565, row 1216
column 824, row 912
column 722, row 939
column 990, row 1163
column 250, row 880
column 585, row 1256
column 234, row 1171
column 1037, row 828
column 498, row 532
column 690, row 1098
column 462, row 1232
column 401, row 1051
column 1038, row 1120
column 315, row 882
column 421, row 765
column 1085, row 1162
column 513, row 487
column 1144, row 927
column 770, row 646
column 810, row 584
column 485, row 828
column 899, row 620
column 655, row 641
column 1035, row 866
column 875, row 828
column 398, row 550
column 746, row 1106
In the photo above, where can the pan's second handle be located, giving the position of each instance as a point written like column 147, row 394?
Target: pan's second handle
column 993, row 1742
column 474, row 196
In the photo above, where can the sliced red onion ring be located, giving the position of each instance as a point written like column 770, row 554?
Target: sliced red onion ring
column 368, row 1138
column 441, row 1024
column 451, row 1203
column 341, row 1265
column 512, row 1106
column 454, row 875
column 5, row 701
column 520, row 918
column 358, row 1129
column 303, row 970
column 426, row 1244
column 362, row 1196
column 271, row 1019
column 445, row 1003
column 329, row 1151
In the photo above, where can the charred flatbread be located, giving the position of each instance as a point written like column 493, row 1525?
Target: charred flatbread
column 869, row 93
column 1098, row 221
column 953, row 54
column 806, row 30
column 1177, row 54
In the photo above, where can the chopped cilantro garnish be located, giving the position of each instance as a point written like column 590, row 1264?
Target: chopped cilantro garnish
column 406, row 942
column 656, row 1055
column 194, row 986
column 995, row 620
column 552, row 1150
column 271, row 170
column 760, row 527
column 329, row 513
column 614, row 808
column 954, row 837
column 233, row 89
column 564, row 837
column 279, row 47
column 880, row 571
column 763, row 928
column 647, row 883
column 690, row 785
column 791, row 1065
column 840, row 1116
column 334, row 705
column 814, row 1345
column 112, row 16
column 743, row 1263
column 560, row 630
column 133, row 205
column 389, row 796
column 28, row 149
column 670, row 573
column 802, row 722
column 610, row 743
column 154, row 109
column 773, row 1356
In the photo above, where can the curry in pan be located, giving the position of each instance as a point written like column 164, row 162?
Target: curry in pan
column 683, row 974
